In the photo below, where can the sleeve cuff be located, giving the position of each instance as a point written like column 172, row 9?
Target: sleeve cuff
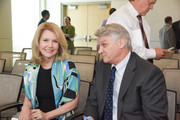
column 87, row 118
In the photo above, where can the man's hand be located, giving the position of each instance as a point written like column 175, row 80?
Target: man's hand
column 161, row 53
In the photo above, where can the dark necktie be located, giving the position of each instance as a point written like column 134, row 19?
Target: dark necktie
column 144, row 35
column 109, row 96
column 143, row 32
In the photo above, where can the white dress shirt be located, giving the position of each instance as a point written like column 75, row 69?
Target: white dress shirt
column 120, row 68
column 127, row 17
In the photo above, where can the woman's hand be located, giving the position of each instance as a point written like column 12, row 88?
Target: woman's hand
column 26, row 110
column 38, row 114
column 25, row 114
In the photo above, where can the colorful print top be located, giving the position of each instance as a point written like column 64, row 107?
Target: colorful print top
column 65, row 82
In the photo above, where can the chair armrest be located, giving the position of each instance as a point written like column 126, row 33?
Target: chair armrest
column 74, row 116
column 12, row 105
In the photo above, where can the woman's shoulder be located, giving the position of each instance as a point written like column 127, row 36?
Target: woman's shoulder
column 72, row 27
column 68, row 63
column 31, row 66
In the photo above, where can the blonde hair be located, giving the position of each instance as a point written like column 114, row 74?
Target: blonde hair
column 62, row 51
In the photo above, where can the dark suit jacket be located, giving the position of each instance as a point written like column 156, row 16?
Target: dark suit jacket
column 176, row 28
column 41, row 21
column 142, row 93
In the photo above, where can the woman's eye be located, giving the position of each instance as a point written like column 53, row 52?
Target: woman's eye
column 45, row 40
column 55, row 41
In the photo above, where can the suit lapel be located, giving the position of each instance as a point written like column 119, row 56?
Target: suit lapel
column 105, row 80
column 128, row 75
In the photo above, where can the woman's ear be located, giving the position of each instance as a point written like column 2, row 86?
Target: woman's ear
column 121, row 43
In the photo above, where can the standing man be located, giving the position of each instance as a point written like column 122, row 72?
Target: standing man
column 166, row 35
column 126, row 87
column 131, row 17
column 45, row 16
column 176, row 28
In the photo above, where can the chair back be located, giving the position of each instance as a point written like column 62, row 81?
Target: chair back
column 2, row 64
column 88, row 52
column 173, row 81
column 10, row 87
column 10, row 58
column 166, row 63
column 172, row 96
column 20, row 66
column 168, row 55
column 84, row 91
column 86, row 72
column 28, row 52
column 176, row 56
column 80, row 48
column 83, row 59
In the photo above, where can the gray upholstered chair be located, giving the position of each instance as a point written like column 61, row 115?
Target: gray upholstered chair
column 10, row 58
column 173, row 82
column 86, row 72
column 20, row 66
column 10, row 87
column 176, row 56
column 172, row 98
column 166, row 63
column 2, row 64
column 28, row 52
column 80, row 48
column 83, row 59
column 89, row 52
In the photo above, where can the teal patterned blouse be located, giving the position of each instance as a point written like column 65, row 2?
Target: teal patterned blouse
column 65, row 82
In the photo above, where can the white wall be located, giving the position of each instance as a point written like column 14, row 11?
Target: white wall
column 5, row 26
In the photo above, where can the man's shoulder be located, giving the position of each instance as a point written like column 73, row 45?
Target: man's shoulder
column 141, row 63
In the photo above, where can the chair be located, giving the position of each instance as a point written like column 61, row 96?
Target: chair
column 88, row 52
column 176, row 56
column 28, row 52
column 10, row 87
column 166, row 63
column 19, row 67
column 173, row 81
column 10, row 58
column 172, row 97
column 86, row 72
column 168, row 55
column 2, row 64
column 80, row 48
column 83, row 58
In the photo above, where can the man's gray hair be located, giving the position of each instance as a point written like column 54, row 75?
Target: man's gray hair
column 116, row 31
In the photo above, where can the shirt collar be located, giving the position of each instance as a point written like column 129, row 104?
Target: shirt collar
column 132, row 9
column 44, row 19
column 123, row 63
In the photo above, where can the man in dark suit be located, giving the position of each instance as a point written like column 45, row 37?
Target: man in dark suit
column 139, row 89
column 45, row 16
column 176, row 28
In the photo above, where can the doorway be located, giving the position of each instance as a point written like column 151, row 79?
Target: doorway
column 87, row 18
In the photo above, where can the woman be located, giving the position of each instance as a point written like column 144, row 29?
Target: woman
column 69, row 32
column 51, row 80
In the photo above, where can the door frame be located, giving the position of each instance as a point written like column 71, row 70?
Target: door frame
column 77, row 2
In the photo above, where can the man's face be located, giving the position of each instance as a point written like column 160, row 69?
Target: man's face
column 108, row 49
column 145, row 6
